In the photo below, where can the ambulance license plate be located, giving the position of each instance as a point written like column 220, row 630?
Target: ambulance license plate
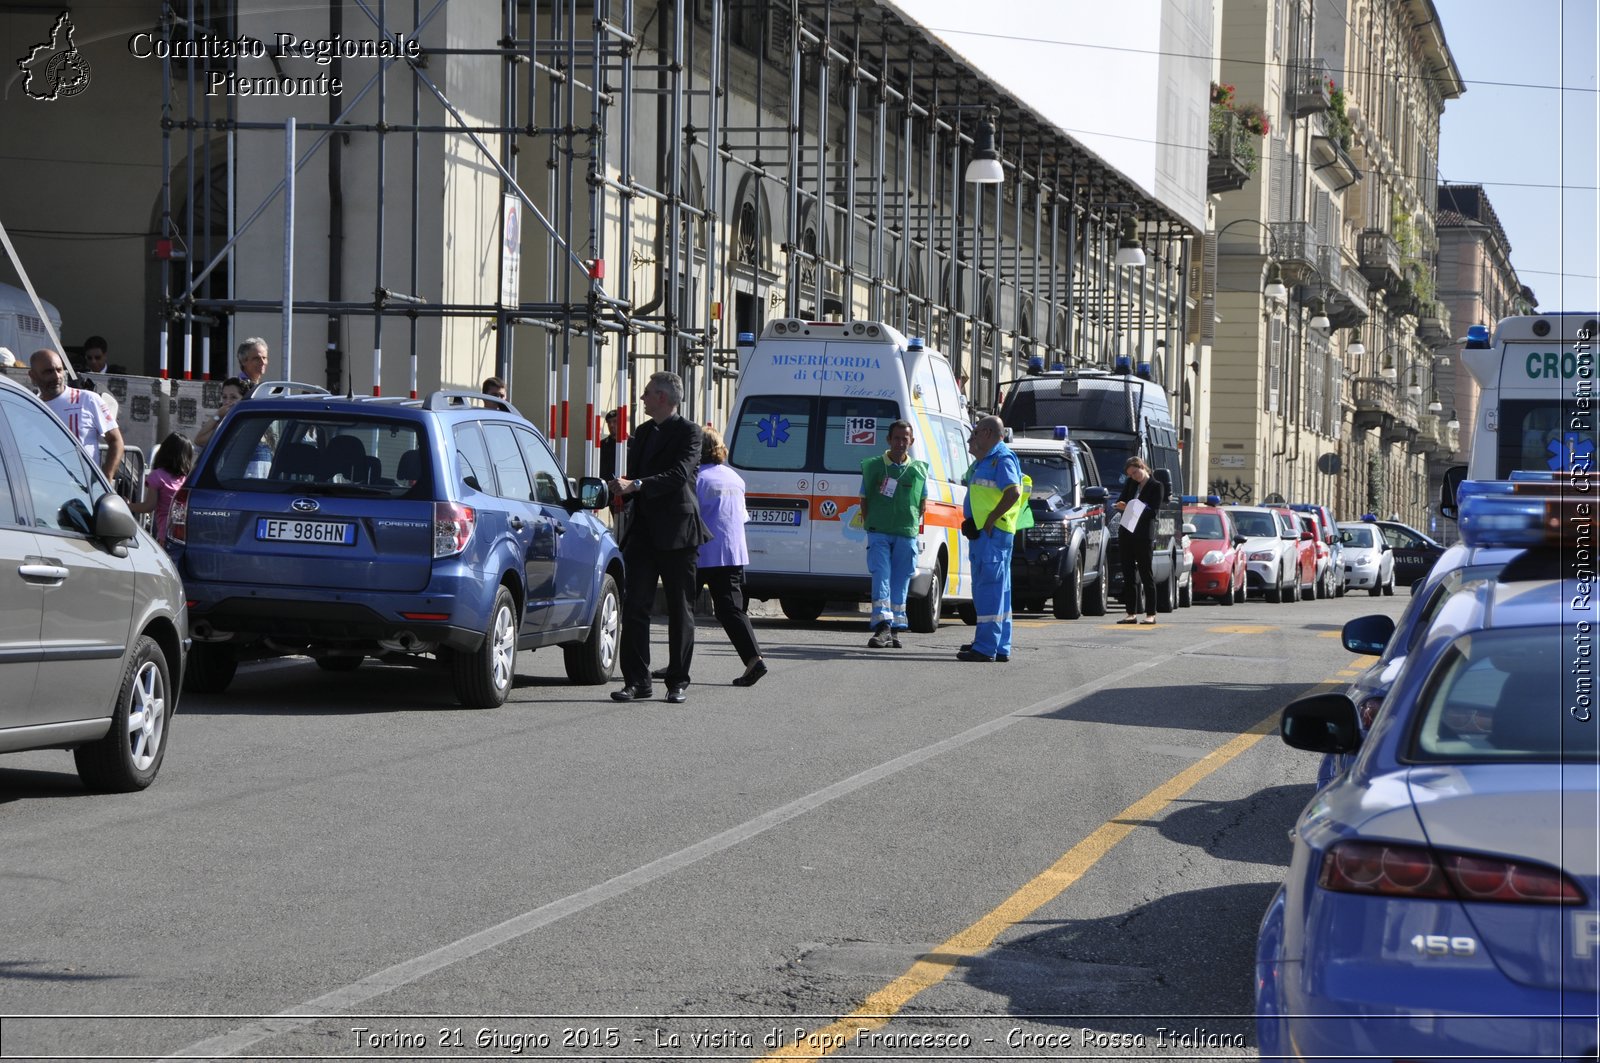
column 775, row 516
column 339, row 533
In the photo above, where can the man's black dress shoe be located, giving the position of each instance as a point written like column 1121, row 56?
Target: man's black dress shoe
column 678, row 693
column 752, row 675
column 632, row 693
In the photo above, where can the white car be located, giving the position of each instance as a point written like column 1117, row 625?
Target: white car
column 1271, row 553
column 1368, row 559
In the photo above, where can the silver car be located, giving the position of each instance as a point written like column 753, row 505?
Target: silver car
column 93, row 625
column 1368, row 558
column 1270, row 553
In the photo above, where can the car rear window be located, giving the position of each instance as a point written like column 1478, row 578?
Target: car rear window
column 1256, row 525
column 1507, row 695
column 277, row 451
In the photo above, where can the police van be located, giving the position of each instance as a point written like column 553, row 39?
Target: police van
column 1536, row 404
column 814, row 400
column 1120, row 414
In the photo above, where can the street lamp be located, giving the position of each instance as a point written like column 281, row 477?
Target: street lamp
column 1129, row 254
column 1275, row 291
column 1356, row 348
column 984, row 167
column 1453, row 423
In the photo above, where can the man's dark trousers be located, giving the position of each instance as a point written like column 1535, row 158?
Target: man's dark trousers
column 643, row 565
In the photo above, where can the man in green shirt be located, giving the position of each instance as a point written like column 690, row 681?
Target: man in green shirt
column 894, row 492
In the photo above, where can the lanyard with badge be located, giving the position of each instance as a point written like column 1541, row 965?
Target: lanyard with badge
column 891, row 478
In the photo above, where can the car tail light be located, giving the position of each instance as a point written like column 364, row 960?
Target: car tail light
column 178, row 517
column 1416, row 871
column 452, row 528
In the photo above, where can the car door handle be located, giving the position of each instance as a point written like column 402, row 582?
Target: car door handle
column 42, row 570
column 561, row 529
column 516, row 523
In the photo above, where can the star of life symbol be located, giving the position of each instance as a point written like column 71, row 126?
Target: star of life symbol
column 772, row 431
column 55, row 69
column 1571, row 453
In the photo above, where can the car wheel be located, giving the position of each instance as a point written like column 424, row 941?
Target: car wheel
column 1291, row 593
column 1375, row 590
column 1186, row 595
column 343, row 663
column 1067, row 604
column 1167, row 593
column 1320, row 591
column 801, row 610
column 1094, row 599
column 1227, row 596
column 594, row 660
column 483, row 676
column 130, row 754
column 923, row 613
column 1388, row 588
column 210, row 668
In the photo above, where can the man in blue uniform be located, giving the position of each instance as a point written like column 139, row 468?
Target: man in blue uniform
column 994, row 500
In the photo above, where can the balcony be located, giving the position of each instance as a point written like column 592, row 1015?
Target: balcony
column 1380, row 259
column 1233, row 153
column 1346, row 292
column 1402, row 301
column 1433, row 324
column 1330, row 151
column 1449, row 440
column 1427, row 438
column 1307, row 89
column 1297, row 248
column 1403, row 429
column 1374, row 402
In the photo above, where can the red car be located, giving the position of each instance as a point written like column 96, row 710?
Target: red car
column 1219, row 564
column 1306, row 547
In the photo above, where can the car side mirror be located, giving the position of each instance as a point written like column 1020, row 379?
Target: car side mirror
column 1308, row 536
column 1190, row 529
column 1367, row 635
column 1447, row 491
column 1387, row 548
column 1322, row 723
column 1096, row 495
column 1239, row 540
column 114, row 523
column 593, row 493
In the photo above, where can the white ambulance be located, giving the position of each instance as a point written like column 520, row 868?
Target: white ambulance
column 816, row 398
column 1536, row 408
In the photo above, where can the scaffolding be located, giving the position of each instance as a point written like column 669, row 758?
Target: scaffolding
column 753, row 158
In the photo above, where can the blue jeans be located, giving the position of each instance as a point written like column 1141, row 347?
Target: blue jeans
column 991, row 591
column 890, row 560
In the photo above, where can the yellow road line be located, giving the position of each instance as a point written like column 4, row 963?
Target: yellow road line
column 1329, row 634
column 932, row 968
column 1243, row 629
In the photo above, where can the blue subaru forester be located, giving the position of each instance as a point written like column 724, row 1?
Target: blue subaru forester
column 350, row 527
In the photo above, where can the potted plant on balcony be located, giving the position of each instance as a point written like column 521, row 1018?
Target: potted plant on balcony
column 1339, row 126
column 1254, row 119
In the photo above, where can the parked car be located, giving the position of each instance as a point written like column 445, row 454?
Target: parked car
column 1368, row 558
column 1305, row 547
column 93, row 628
column 1270, row 553
column 1214, row 547
column 1063, row 556
column 1441, row 896
column 344, row 528
column 1330, row 555
column 1414, row 552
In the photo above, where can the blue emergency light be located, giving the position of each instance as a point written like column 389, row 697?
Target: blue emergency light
column 746, row 339
column 1144, row 371
column 1189, row 500
column 1477, row 338
column 1035, row 364
column 1123, row 364
column 1058, row 367
column 914, row 343
column 1525, row 513
column 1060, row 432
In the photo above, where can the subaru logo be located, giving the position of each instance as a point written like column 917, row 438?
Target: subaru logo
column 304, row 505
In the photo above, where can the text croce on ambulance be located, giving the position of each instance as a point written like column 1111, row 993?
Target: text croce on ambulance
column 814, row 400
column 1537, row 400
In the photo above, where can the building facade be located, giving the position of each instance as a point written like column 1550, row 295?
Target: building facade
column 1326, row 320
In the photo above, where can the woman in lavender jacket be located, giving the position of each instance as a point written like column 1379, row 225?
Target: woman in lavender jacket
column 722, row 560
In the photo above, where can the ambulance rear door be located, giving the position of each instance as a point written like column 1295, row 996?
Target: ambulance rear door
column 770, row 447
column 1545, row 417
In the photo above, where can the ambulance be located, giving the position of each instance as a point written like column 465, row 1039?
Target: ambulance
column 815, row 399
column 1536, row 407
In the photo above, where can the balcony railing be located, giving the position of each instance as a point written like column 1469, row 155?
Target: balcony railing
column 1427, row 438
column 1380, row 259
column 1403, row 429
column 1374, row 402
column 1233, row 153
column 1433, row 324
column 1297, row 247
column 1308, row 89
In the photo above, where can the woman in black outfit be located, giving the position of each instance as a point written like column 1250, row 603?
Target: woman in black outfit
column 1136, row 544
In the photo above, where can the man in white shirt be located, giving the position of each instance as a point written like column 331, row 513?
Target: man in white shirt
column 81, row 411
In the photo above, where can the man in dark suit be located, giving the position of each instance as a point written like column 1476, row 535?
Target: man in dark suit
column 661, row 535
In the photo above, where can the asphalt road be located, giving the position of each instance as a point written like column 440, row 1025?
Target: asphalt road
column 873, row 853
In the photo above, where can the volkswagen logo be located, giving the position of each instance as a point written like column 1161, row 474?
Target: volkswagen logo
column 304, row 505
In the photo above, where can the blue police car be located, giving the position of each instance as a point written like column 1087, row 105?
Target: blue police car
column 440, row 528
column 1441, row 899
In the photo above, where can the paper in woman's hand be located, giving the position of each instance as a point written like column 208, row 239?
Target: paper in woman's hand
column 1131, row 514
